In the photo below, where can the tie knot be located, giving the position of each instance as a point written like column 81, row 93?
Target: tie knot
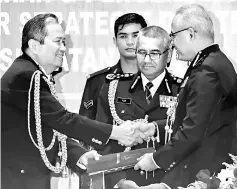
column 149, row 85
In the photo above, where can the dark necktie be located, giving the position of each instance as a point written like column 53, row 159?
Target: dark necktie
column 148, row 92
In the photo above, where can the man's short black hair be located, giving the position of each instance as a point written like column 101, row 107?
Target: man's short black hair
column 35, row 29
column 129, row 18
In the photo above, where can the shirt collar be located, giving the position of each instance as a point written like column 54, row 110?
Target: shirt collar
column 156, row 82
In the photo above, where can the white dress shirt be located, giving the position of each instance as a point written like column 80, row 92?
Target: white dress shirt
column 156, row 82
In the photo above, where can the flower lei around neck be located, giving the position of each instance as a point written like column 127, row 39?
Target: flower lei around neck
column 61, row 137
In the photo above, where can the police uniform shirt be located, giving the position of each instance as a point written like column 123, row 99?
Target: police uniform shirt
column 156, row 82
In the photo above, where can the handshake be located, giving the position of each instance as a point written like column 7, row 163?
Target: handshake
column 131, row 133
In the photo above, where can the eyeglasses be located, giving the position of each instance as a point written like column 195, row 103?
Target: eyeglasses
column 154, row 55
column 172, row 35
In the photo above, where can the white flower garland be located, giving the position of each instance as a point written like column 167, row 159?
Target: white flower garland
column 227, row 178
column 61, row 137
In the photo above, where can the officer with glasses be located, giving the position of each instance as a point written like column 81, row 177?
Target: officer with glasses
column 147, row 94
column 205, row 118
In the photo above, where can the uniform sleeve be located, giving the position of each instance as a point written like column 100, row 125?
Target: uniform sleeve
column 75, row 151
column 203, row 100
column 88, row 105
column 55, row 116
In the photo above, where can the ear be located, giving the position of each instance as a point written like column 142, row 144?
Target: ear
column 115, row 41
column 192, row 33
column 33, row 45
column 170, row 53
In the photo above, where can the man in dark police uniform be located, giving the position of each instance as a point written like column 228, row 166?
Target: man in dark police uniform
column 205, row 117
column 125, row 97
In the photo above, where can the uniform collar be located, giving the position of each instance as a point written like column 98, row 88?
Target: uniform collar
column 204, row 53
column 117, row 68
column 48, row 76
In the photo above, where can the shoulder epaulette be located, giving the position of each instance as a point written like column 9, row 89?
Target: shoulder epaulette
column 176, row 79
column 124, row 76
column 105, row 70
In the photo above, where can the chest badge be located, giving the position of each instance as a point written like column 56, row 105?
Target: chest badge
column 167, row 101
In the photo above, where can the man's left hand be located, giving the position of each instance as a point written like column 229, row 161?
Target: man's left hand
column 89, row 155
column 146, row 163
column 154, row 186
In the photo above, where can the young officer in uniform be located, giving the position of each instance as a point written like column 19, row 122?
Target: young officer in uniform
column 144, row 97
column 126, row 29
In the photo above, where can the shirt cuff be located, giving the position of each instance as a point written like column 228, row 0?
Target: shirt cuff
column 165, row 185
column 79, row 164
column 158, row 167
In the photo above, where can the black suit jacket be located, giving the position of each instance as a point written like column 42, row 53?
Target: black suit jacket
column 205, row 120
column 22, row 166
column 131, row 104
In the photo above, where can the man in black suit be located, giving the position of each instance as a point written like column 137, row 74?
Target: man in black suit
column 34, row 124
column 206, row 112
column 124, row 98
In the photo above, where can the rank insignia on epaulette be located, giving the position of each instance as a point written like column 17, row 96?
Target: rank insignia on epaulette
column 88, row 104
column 177, row 79
column 167, row 101
column 118, row 76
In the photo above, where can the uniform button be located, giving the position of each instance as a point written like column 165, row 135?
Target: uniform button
column 122, row 112
column 22, row 171
column 185, row 166
column 93, row 140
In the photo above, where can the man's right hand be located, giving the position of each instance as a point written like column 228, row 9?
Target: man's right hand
column 129, row 133
column 124, row 134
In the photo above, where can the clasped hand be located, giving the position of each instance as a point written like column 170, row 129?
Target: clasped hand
column 130, row 133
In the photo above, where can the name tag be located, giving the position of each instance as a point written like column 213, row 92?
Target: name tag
column 167, row 101
column 124, row 100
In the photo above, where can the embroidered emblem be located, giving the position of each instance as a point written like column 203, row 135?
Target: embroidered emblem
column 167, row 101
column 88, row 104
column 124, row 100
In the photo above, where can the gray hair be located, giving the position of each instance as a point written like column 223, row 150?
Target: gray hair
column 197, row 17
column 157, row 33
